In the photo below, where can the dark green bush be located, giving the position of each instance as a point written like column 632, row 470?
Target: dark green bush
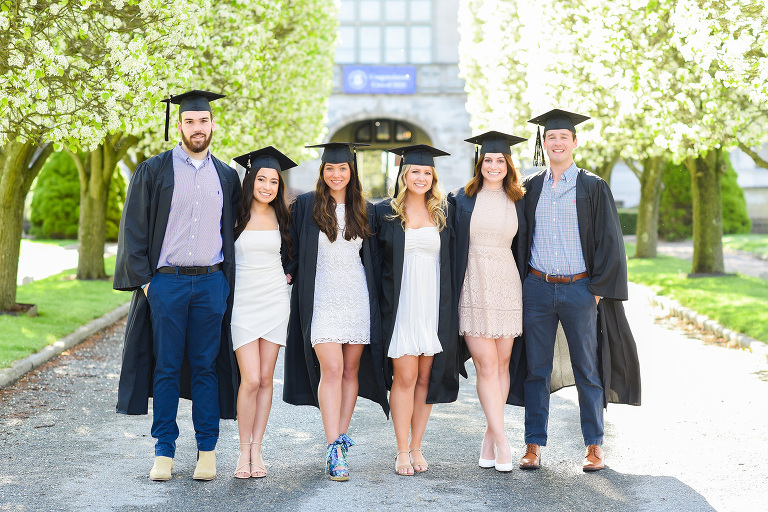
column 676, row 208
column 55, row 204
column 55, row 207
column 628, row 221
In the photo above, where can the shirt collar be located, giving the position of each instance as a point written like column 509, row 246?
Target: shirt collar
column 184, row 156
column 569, row 174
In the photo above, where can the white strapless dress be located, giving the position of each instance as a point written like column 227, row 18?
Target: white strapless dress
column 262, row 295
column 415, row 330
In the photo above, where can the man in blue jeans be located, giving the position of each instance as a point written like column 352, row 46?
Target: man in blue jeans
column 577, row 276
column 176, row 253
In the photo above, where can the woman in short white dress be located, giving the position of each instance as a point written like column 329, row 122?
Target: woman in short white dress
column 262, row 297
column 416, row 297
column 334, row 332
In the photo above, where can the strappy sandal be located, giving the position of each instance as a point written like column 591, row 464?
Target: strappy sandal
column 418, row 461
column 240, row 472
column 403, row 467
column 260, row 471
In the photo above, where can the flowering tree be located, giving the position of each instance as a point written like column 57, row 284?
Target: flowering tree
column 66, row 65
column 628, row 66
column 275, row 70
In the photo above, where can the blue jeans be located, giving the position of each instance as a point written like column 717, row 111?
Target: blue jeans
column 187, row 313
column 573, row 305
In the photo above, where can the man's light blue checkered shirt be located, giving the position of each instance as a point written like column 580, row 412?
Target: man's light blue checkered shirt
column 556, row 247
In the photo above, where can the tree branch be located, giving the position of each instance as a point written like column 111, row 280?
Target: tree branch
column 759, row 161
column 632, row 167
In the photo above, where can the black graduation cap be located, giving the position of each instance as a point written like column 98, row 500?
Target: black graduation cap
column 417, row 154
column 339, row 152
column 195, row 101
column 265, row 157
column 555, row 119
column 494, row 142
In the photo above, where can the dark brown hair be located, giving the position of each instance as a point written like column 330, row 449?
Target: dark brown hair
column 511, row 182
column 355, row 215
column 279, row 203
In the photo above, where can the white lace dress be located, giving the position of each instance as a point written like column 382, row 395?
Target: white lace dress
column 415, row 330
column 341, row 312
column 491, row 299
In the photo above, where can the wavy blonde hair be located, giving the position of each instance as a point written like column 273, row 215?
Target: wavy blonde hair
column 436, row 203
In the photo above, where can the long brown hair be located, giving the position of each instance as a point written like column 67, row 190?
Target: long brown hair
column 279, row 203
column 355, row 214
column 511, row 182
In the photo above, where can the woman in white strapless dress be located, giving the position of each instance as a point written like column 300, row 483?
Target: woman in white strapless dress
column 262, row 297
column 415, row 297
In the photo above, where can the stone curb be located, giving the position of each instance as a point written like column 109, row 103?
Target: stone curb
column 705, row 323
column 19, row 368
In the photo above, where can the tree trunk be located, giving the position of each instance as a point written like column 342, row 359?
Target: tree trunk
column 20, row 163
column 96, row 169
column 604, row 170
column 648, row 210
column 706, row 170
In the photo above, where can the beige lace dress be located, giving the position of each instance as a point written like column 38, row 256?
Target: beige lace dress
column 491, row 300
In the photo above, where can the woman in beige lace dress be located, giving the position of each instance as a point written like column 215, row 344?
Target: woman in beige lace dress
column 489, row 266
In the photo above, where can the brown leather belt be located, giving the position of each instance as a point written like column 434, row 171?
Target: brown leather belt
column 557, row 279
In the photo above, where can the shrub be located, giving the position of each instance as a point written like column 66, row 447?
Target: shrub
column 55, row 208
column 676, row 208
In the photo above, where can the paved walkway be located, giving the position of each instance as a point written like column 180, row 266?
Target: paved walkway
column 38, row 261
column 698, row 443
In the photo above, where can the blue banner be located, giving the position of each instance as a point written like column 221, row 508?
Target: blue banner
column 379, row 79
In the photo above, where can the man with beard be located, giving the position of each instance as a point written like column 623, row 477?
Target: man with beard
column 176, row 253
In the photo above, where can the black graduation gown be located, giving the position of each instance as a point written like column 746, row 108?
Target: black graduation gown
column 302, row 370
column 464, row 205
column 390, row 236
column 142, row 229
column 602, row 245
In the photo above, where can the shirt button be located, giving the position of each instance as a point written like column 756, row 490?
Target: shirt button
column 190, row 254
column 193, row 236
column 195, row 220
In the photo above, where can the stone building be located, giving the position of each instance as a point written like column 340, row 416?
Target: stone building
column 396, row 82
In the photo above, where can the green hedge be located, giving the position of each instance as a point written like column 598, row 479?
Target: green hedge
column 628, row 221
column 55, row 207
column 676, row 208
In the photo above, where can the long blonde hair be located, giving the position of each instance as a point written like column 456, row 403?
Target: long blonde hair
column 434, row 197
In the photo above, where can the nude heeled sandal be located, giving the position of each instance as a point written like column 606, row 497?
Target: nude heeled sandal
column 260, row 471
column 401, row 467
column 240, row 471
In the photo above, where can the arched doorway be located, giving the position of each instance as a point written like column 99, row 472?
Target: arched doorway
column 377, row 167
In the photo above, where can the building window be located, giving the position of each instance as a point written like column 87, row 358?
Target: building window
column 385, row 31
column 383, row 131
column 363, row 133
column 345, row 48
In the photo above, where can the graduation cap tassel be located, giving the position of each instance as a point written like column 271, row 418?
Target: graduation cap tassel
column 538, row 152
column 167, row 118
column 354, row 159
column 475, row 166
column 397, row 180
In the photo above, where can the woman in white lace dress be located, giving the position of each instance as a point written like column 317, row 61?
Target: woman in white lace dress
column 416, row 298
column 334, row 329
column 489, row 268
column 262, row 297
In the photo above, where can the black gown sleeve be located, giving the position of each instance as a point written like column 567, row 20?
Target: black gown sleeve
column 609, row 272
column 132, row 266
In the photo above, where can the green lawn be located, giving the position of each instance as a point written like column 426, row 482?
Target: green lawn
column 757, row 244
column 63, row 303
column 739, row 302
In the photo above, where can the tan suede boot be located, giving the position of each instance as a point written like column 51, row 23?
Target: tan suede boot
column 206, row 466
column 161, row 470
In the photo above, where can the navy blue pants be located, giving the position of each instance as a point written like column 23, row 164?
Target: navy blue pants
column 544, row 304
column 187, row 313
